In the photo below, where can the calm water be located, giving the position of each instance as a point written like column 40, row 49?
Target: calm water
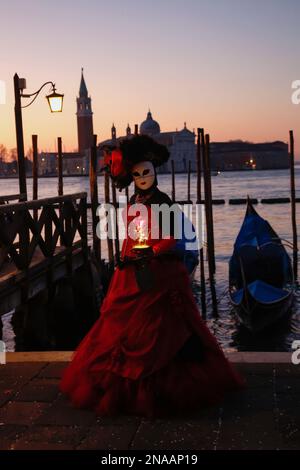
column 227, row 221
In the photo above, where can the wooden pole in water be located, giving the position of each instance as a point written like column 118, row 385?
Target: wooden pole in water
column 107, row 201
column 34, row 167
column 127, row 194
column 189, row 182
column 60, row 167
column 117, row 241
column 199, row 165
column 202, row 272
column 94, row 198
column 35, row 173
column 60, row 179
column 173, row 180
column 209, row 220
column 293, row 205
column 136, row 132
column 208, row 209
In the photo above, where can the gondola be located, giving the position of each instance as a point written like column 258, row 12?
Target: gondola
column 261, row 282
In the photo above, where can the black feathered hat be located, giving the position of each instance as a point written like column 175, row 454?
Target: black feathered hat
column 143, row 148
column 131, row 151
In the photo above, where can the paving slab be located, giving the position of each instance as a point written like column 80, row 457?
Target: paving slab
column 110, row 436
column 61, row 413
column 70, row 436
column 9, row 433
column 176, row 435
column 22, row 369
column 39, row 390
column 255, row 430
column 53, row 370
column 21, row 413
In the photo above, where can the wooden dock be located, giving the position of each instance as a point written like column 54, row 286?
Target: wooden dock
column 40, row 242
column 44, row 245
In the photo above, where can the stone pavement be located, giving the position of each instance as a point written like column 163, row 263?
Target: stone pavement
column 34, row 414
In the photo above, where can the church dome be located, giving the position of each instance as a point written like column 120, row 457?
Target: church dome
column 149, row 126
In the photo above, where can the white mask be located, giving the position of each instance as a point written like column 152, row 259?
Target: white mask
column 143, row 174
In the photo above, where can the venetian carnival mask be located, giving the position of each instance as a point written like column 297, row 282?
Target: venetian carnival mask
column 143, row 174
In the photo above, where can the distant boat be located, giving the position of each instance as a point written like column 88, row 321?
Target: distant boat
column 261, row 282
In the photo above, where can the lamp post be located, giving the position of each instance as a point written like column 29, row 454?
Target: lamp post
column 55, row 101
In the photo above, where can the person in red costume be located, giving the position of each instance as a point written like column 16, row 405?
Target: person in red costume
column 149, row 353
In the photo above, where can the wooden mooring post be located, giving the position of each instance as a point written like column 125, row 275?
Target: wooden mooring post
column 94, row 198
column 60, row 187
column 293, row 205
column 173, row 181
column 35, row 172
column 189, row 182
column 209, row 217
column 201, row 253
column 107, row 201
column 60, row 167
column 34, row 167
column 208, row 205
column 115, row 222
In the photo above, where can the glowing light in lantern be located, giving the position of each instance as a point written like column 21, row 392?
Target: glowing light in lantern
column 142, row 237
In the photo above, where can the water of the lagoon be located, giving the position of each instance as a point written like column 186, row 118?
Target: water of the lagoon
column 227, row 220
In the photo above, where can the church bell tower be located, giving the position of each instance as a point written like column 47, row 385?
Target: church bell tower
column 84, row 118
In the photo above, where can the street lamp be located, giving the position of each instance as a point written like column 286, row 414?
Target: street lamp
column 55, row 101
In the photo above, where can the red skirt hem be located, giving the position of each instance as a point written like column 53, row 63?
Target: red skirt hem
column 182, row 386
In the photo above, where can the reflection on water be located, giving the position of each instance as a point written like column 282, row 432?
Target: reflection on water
column 227, row 221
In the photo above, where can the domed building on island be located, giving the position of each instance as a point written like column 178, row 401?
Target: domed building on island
column 181, row 144
column 149, row 126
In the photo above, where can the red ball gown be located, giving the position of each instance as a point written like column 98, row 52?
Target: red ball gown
column 149, row 353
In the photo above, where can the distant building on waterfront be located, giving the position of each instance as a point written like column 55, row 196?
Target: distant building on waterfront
column 239, row 155
column 225, row 156
column 181, row 144
column 73, row 163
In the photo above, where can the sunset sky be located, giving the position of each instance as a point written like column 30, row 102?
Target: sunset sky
column 225, row 65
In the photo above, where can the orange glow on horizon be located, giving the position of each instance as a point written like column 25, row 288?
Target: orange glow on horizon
column 213, row 65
